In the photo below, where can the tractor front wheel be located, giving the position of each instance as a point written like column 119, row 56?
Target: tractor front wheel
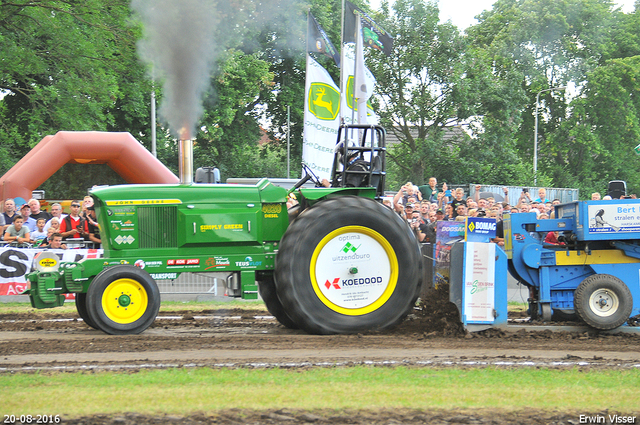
column 123, row 300
column 81, row 307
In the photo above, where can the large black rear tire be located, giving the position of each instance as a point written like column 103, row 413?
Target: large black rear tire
column 347, row 265
column 123, row 300
column 603, row 301
column 267, row 290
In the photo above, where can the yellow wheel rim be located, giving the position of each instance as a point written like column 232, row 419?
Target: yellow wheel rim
column 369, row 265
column 124, row 301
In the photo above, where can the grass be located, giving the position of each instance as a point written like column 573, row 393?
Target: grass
column 185, row 391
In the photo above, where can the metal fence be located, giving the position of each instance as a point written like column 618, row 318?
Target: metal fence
column 563, row 194
column 194, row 283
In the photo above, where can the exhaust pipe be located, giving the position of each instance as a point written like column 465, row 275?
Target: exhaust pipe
column 185, row 153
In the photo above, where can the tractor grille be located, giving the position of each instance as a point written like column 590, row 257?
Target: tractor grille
column 158, row 227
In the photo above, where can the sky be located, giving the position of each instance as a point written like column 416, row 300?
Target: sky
column 462, row 12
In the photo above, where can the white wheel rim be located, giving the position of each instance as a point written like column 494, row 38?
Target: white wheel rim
column 604, row 302
column 354, row 270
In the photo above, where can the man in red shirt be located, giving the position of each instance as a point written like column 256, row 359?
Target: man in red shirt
column 74, row 226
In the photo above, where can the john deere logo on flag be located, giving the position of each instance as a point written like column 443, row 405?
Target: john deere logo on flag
column 350, row 82
column 324, row 101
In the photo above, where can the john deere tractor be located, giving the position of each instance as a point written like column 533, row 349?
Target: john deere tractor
column 337, row 262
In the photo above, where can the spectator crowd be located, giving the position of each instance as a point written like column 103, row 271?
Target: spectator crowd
column 30, row 227
column 423, row 206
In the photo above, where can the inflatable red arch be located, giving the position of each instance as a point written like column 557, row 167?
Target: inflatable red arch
column 120, row 151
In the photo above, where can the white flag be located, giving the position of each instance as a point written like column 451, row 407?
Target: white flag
column 321, row 119
column 349, row 84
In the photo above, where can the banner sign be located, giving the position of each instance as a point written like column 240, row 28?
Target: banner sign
column 447, row 233
column 614, row 218
column 16, row 263
column 479, row 282
column 480, row 229
column 321, row 110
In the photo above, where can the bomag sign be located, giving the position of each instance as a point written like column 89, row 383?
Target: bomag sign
column 324, row 101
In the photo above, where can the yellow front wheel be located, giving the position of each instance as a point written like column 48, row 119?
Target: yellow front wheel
column 123, row 300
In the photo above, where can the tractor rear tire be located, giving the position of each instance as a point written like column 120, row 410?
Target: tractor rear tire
column 81, row 307
column 123, row 300
column 603, row 301
column 267, row 290
column 347, row 265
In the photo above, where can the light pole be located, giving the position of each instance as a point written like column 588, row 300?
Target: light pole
column 535, row 137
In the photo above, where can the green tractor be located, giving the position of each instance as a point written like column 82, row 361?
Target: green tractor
column 337, row 262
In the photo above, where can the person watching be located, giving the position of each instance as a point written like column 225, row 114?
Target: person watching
column 430, row 191
column 418, row 226
column 55, row 242
column 73, row 225
column 94, row 229
column 36, row 212
column 28, row 222
column 542, row 196
column 39, row 235
column 56, row 212
column 9, row 213
column 17, row 232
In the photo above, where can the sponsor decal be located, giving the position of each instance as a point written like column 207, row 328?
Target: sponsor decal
column 476, row 286
column 349, row 247
column 248, row 262
column 333, row 284
column 359, row 281
column 48, row 262
column 614, row 218
column 142, row 264
column 184, row 262
column 271, row 210
column 324, row 101
column 121, row 240
column 143, row 202
column 164, row 276
column 205, row 227
column 220, row 262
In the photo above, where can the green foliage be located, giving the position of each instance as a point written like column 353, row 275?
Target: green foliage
column 543, row 44
column 460, row 105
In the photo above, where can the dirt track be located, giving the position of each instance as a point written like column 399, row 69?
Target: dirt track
column 48, row 341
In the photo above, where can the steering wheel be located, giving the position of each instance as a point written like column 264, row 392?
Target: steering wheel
column 309, row 175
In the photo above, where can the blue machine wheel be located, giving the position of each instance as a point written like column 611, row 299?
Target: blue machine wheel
column 603, row 301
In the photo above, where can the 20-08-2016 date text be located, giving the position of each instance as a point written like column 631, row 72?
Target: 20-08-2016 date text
column 31, row 419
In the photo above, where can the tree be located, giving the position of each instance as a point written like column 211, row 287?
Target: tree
column 67, row 65
column 594, row 144
column 551, row 44
column 417, row 84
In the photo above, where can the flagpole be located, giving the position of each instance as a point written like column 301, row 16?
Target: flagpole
column 342, row 58
column 355, row 66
